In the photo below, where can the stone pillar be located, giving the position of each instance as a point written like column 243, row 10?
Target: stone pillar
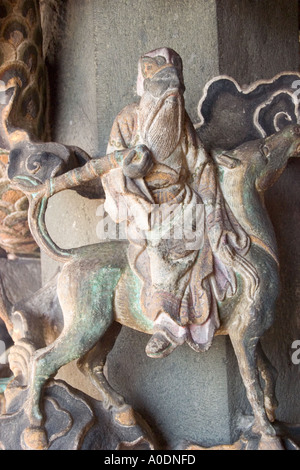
column 186, row 395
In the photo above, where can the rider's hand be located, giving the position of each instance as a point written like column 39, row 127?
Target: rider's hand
column 138, row 162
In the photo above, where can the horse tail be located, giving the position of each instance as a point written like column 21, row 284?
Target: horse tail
column 36, row 219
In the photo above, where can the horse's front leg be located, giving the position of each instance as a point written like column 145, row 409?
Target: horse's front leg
column 245, row 346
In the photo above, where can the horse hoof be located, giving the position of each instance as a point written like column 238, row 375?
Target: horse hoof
column 35, row 438
column 270, row 443
column 126, row 417
column 270, row 406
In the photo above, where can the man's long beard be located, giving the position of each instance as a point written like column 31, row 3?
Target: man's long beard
column 161, row 123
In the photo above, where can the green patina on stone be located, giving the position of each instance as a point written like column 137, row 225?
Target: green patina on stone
column 134, row 294
column 3, row 384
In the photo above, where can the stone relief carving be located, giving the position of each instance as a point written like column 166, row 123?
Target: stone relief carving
column 200, row 260
column 23, row 106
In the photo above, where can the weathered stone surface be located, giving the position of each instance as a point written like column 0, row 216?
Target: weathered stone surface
column 257, row 39
column 180, row 414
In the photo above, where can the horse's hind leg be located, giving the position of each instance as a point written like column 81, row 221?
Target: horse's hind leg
column 93, row 363
column 76, row 340
column 245, row 346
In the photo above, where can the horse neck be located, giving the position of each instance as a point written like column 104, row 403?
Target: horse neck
column 248, row 206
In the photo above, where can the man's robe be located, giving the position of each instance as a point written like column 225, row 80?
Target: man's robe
column 182, row 276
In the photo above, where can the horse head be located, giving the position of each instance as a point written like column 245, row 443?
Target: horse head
column 261, row 162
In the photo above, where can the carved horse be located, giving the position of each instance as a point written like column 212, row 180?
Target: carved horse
column 95, row 278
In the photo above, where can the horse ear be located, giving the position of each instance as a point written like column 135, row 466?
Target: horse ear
column 225, row 159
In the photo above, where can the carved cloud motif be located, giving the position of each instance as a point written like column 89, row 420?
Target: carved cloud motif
column 231, row 115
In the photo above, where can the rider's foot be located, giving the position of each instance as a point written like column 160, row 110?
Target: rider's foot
column 160, row 345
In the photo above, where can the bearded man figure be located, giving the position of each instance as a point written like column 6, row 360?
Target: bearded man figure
column 185, row 243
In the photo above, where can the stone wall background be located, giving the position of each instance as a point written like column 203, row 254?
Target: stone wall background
column 92, row 50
